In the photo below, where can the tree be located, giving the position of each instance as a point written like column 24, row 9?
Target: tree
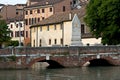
column 13, row 43
column 4, row 32
column 103, row 18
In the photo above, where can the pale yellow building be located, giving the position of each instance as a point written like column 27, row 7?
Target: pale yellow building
column 57, row 30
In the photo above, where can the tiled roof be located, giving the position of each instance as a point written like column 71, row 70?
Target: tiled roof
column 19, row 18
column 60, row 17
column 44, row 2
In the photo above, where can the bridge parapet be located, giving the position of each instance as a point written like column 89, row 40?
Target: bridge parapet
column 73, row 50
column 5, row 51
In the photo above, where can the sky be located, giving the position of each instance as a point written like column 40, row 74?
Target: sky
column 13, row 2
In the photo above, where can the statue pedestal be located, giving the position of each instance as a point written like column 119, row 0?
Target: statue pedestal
column 76, row 43
column 76, row 32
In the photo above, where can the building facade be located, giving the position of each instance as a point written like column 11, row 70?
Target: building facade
column 38, row 10
column 34, row 15
column 17, row 31
column 57, row 30
column 10, row 12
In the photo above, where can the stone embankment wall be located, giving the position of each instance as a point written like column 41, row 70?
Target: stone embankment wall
column 11, row 65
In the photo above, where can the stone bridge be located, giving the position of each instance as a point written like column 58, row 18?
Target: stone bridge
column 74, row 56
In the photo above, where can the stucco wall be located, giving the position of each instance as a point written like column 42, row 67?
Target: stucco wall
column 91, row 41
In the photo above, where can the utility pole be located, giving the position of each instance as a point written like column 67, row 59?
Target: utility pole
column 19, row 25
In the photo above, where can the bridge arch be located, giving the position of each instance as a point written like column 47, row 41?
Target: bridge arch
column 100, row 62
column 103, row 61
column 51, row 63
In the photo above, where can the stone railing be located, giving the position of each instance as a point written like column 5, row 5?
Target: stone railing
column 62, row 50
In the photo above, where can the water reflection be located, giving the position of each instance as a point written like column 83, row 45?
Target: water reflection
column 83, row 73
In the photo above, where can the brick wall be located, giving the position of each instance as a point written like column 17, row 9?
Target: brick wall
column 59, row 6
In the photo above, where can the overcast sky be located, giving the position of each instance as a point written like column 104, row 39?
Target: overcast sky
column 13, row 2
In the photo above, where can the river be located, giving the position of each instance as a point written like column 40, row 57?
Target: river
column 82, row 73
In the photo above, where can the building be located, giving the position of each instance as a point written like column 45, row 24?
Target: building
column 19, row 9
column 10, row 12
column 17, row 31
column 38, row 10
column 60, row 30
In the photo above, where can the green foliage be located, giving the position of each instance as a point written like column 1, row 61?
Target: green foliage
column 12, row 58
column 13, row 43
column 6, row 59
column 103, row 16
column 4, row 32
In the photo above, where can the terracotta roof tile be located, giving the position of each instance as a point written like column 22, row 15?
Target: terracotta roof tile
column 60, row 17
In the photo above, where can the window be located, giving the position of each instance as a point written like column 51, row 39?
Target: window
column 43, row 18
column 55, row 41
column 20, row 24
column 82, row 28
column 43, row 11
column 35, row 20
column 16, row 13
column 22, row 33
column 11, row 26
column 63, row 8
column 32, row 21
column 30, row 11
column 11, row 34
column 34, row 43
column 74, row 2
column 38, row 10
column 26, row 12
column 16, row 33
column 16, row 25
column 29, row 21
column 26, row 21
column 50, row 9
column 38, row 19
column 49, row 41
column 61, row 41
column 40, row 42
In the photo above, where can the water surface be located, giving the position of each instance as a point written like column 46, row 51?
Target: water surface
column 83, row 73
